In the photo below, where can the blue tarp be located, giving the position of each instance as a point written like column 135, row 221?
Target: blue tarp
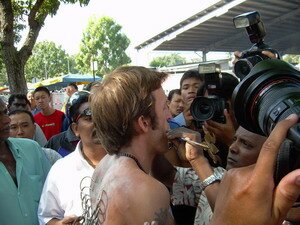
column 58, row 83
column 79, row 78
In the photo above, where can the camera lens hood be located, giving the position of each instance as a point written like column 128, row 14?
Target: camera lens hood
column 248, row 93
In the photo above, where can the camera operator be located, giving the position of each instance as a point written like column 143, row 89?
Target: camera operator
column 214, row 111
column 190, row 82
column 249, row 195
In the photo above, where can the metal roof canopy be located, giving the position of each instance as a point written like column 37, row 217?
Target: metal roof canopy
column 281, row 20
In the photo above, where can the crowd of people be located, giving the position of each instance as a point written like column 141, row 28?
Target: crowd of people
column 123, row 152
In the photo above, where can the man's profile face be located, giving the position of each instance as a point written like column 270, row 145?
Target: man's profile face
column 21, row 126
column 84, row 126
column 159, row 133
column 245, row 148
column 70, row 90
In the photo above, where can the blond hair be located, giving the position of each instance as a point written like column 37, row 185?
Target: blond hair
column 124, row 96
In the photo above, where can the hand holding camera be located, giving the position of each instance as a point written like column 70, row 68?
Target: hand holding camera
column 256, row 33
column 224, row 132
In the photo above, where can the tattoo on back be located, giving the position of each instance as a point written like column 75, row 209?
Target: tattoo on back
column 161, row 216
column 99, row 213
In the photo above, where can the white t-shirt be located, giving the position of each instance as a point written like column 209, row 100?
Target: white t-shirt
column 61, row 195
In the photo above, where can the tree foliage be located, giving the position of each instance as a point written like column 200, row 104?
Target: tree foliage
column 104, row 43
column 168, row 60
column 47, row 60
column 14, row 17
column 294, row 59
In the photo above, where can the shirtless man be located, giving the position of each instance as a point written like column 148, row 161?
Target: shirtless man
column 132, row 127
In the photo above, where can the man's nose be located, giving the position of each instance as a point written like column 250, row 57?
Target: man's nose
column 20, row 131
column 233, row 148
column 192, row 89
column 168, row 114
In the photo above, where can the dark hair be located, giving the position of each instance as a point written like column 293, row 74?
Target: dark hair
column 172, row 92
column 73, row 85
column 89, row 86
column 19, row 111
column 74, row 103
column 12, row 98
column 41, row 88
column 191, row 74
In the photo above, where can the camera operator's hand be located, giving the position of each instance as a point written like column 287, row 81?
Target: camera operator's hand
column 251, row 189
column 271, row 55
column 238, row 55
column 223, row 132
column 186, row 151
column 198, row 161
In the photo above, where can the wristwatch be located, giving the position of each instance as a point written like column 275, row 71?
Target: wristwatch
column 216, row 176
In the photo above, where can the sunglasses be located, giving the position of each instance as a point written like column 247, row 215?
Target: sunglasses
column 87, row 113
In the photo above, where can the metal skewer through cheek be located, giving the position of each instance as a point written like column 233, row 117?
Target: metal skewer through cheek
column 195, row 143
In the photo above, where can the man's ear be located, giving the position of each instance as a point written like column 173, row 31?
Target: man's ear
column 74, row 128
column 142, row 125
column 168, row 103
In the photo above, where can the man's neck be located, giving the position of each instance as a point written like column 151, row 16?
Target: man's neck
column 143, row 154
column 48, row 111
column 93, row 153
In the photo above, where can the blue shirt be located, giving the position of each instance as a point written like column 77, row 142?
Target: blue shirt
column 19, row 204
column 177, row 121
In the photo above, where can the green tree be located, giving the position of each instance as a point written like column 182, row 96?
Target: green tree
column 3, row 76
column 14, row 17
column 104, row 43
column 47, row 60
column 168, row 60
column 294, row 59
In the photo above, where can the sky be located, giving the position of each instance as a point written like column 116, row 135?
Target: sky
column 140, row 20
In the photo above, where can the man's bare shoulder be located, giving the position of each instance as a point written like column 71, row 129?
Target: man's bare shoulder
column 131, row 194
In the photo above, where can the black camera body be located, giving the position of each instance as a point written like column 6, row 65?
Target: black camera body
column 256, row 33
column 269, row 94
column 212, row 106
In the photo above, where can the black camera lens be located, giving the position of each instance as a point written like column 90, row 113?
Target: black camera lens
column 206, row 108
column 270, row 93
column 202, row 108
column 243, row 66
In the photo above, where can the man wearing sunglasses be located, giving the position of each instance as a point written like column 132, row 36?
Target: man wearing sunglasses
column 69, row 178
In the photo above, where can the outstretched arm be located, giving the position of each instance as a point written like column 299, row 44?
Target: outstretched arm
column 198, row 161
column 251, row 189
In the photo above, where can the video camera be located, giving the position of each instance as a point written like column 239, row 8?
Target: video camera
column 212, row 106
column 256, row 33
